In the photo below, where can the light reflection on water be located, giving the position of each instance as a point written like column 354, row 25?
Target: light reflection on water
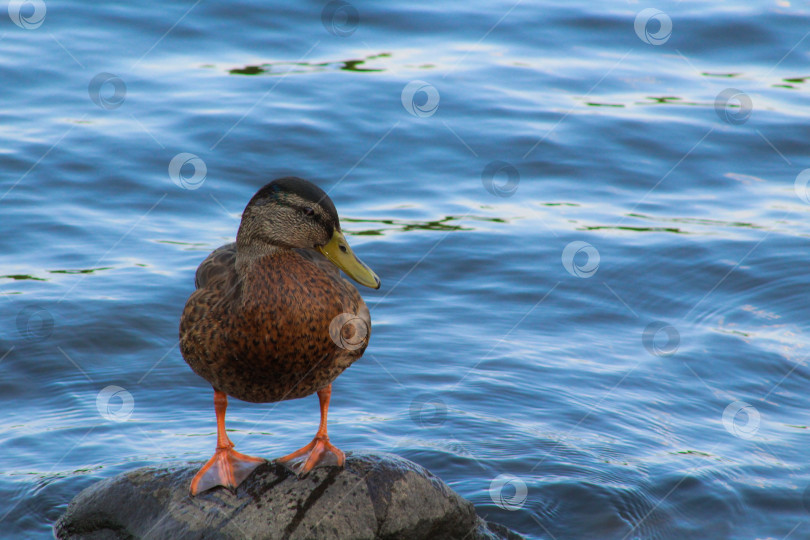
column 498, row 358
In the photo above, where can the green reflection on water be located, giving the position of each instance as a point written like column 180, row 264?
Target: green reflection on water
column 632, row 229
column 700, row 221
column 186, row 244
column 693, row 453
column 18, row 277
column 671, row 100
column 444, row 224
column 81, row 271
column 724, row 75
column 277, row 68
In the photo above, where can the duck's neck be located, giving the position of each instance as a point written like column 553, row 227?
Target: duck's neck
column 248, row 253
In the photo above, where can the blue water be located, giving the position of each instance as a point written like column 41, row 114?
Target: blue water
column 592, row 236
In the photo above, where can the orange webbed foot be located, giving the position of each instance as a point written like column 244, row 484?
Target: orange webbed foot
column 320, row 452
column 226, row 468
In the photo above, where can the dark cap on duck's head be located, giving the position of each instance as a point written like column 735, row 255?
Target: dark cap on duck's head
column 291, row 212
column 294, row 191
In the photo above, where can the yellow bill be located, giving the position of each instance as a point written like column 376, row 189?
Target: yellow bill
column 342, row 256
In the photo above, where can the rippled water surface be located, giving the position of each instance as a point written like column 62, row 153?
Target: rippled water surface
column 589, row 220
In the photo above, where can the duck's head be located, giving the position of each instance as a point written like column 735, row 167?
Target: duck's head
column 293, row 213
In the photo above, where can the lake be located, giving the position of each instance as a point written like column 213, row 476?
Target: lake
column 591, row 221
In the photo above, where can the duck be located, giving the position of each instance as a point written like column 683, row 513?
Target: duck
column 272, row 319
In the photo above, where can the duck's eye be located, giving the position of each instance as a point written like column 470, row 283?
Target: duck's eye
column 309, row 211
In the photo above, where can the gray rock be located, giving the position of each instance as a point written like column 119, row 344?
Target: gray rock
column 374, row 496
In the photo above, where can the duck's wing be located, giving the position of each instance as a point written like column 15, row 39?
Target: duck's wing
column 220, row 265
column 201, row 323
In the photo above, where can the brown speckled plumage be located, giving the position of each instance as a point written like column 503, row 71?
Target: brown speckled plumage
column 262, row 334
column 258, row 326
column 272, row 319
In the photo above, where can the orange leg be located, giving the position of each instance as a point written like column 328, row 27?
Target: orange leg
column 227, row 467
column 320, row 449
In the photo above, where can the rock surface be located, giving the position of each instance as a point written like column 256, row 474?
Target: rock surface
column 374, row 496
